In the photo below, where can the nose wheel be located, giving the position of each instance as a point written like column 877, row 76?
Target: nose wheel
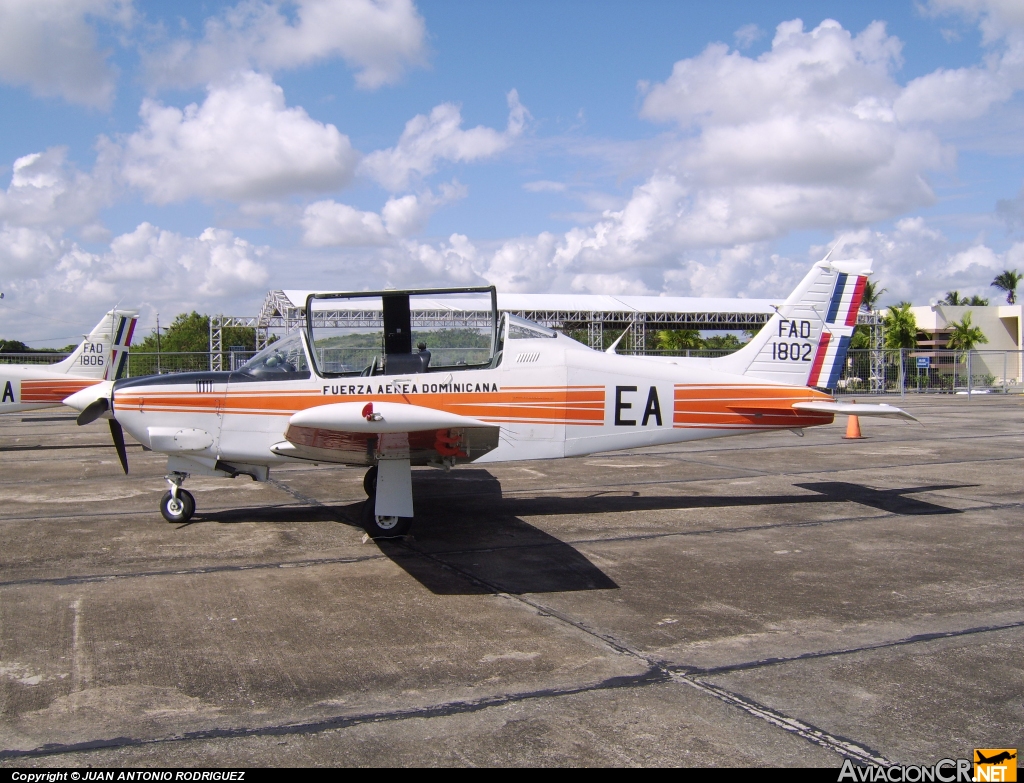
column 177, row 505
column 178, row 509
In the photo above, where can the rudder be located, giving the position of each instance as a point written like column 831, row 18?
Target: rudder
column 104, row 352
column 806, row 341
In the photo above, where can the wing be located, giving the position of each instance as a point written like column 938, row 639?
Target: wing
column 358, row 433
column 854, row 409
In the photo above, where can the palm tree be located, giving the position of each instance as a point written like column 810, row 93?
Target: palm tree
column 976, row 301
column 900, row 327
column 872, row 293
column 965, row 336
column 1007, row 281
column 952, row 298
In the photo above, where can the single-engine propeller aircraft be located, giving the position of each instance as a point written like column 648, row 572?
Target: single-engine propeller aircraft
column 102, row 356
column 350, row 389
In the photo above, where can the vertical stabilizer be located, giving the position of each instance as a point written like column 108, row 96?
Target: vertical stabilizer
column 805, row 342
column 103, row 354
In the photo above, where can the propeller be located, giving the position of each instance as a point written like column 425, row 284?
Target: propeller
column 93, row 411
column 118, row 435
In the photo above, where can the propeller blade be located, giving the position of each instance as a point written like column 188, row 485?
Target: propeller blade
column 118, row 435
column 93, row 411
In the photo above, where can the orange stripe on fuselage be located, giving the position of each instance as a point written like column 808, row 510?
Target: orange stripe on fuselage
column 744, row 407
column 54, row 390
column 573, row 405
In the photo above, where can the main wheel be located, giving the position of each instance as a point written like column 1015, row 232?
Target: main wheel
column 383, row 527
column 180, row 510
column 370, row 482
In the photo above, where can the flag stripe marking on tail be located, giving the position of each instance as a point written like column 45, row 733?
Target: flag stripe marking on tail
column 819, row 359
column 837, row 362
column 837, row 297
column 858, row 296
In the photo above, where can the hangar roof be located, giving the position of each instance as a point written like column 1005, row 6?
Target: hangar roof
column 599, row 303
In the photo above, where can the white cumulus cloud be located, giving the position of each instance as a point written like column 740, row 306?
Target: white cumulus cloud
column 328, row 223
column 242, row 143
column 379, row 38
column 149, row 267
column 50, row 46
column 440, row 137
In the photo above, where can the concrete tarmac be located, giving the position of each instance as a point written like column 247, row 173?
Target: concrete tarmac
column 762, row 600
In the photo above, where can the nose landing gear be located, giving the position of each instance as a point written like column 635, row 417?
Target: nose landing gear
column 177, row 505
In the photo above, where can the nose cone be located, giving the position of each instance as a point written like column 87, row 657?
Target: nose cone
column 81, row 400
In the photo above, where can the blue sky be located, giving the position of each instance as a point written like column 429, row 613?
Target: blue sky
column 180, row 156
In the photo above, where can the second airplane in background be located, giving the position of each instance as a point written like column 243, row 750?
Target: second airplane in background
column 101, row 356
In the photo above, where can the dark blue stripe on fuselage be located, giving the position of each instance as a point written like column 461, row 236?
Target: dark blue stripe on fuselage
column 837, row 296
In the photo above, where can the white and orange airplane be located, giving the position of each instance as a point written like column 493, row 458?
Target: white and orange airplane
column 476, row 390
column 101, row 356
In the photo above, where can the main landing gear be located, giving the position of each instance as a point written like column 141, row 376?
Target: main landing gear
column 378, row 525
column 177, row 505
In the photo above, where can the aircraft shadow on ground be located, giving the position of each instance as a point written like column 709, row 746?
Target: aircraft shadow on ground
column 470, row 540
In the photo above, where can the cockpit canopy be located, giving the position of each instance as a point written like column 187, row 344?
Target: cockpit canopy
column 402, row 332
column 284, row 359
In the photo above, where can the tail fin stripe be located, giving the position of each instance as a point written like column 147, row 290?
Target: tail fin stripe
column 837, row 362
column 837, row 297
column 120, row 330
column 819, row 359
column 858, row 296
column 121, row 366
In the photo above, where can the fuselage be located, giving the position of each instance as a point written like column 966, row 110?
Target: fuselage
column 551, row 398
column 28, row 387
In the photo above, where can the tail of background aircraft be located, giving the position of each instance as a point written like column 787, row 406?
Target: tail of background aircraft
column 103, row 354
column 805, row 342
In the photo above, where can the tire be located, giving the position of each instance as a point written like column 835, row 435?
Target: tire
column 383, row 527
column 180, row 512
column 370, row 482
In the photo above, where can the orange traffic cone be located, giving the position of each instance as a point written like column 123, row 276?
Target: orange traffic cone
column 853, row 427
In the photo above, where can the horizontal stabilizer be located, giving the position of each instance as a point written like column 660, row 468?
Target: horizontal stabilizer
column 381, row 417
column 854, row 409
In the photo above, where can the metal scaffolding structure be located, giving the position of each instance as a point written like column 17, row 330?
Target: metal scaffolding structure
column 280, row 312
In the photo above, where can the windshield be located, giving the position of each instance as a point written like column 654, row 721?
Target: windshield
column 402, row 332
column 521, row 329
column 280, row 361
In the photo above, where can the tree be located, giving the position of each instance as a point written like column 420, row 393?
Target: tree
column 13, row 346
column 965, row 336
column 869, row 301
column 954, row 299
column 190, row 333
column 1007, row 281
column 679, row 339
column 723, row 342
column 900, row 326
column 872, row 293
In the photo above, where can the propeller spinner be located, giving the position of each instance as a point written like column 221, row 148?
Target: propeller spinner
column 94, row 402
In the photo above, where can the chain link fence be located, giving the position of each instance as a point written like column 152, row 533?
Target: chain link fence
column 908, row 371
